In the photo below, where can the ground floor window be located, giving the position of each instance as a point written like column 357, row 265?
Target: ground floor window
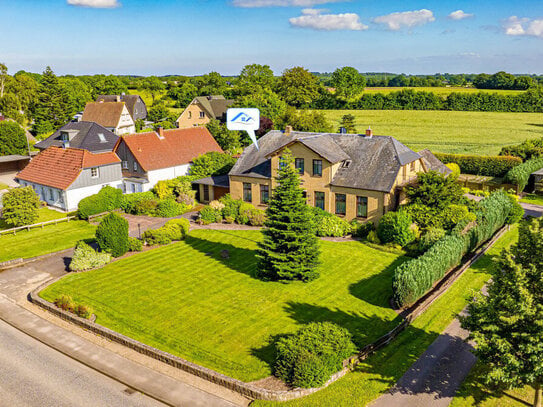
column 206, row 193
column 264, row 194
column 341, row 204
column 247, row 192
column 361, row 206
column 319, row 200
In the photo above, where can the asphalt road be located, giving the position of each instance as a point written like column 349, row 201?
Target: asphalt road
column 34, row 375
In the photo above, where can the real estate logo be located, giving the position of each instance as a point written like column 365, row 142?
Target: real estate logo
column 244, row 119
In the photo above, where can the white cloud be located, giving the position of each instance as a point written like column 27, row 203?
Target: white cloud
column 523, row 26
column 396, row 21
column 314, row 19
column 95, row 3
column 281, row 3
column 459, row 15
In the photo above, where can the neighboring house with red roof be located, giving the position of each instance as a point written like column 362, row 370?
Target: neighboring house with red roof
column 155, row 156
column 114, row 116
column 63, row 176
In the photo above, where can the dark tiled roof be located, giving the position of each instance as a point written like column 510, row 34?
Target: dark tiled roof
column 432, row 163
column 86, row 138
column 375, row 161
column 214, row 180
column 177, row 147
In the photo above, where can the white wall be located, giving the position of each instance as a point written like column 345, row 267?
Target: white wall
column 126, row 124
column 73, row 196
column 165, row 174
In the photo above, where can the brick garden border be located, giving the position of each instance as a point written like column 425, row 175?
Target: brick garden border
column 248, row 389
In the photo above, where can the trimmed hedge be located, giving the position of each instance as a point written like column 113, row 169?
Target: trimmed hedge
column 175, row 229
column 310, row 356
column 491, row 166
column 414, row 278
column 107, row 199
column 521, row 174
column 112, row 235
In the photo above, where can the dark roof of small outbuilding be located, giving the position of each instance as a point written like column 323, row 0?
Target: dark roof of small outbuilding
column 374, row 161
column 432, row 163
column 214, row 180
column 86, row 138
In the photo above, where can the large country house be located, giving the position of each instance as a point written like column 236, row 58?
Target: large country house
column 202, row 109
column 113, row 116
column 89, row 136
column 63, row 176
column 154, row 156
column 134, row 103
column 350, row 175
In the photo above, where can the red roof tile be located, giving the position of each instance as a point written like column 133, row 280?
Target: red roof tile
column 177, row 147
column 59, row 167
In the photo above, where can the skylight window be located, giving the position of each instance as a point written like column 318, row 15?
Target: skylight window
column 102, row 138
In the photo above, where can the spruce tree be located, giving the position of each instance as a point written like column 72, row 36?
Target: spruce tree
column 507, row 325
column 290, row 248
column 52, row 108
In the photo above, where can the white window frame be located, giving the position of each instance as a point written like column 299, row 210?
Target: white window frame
column 125, row 165
column 95, row 172
column 135, row 166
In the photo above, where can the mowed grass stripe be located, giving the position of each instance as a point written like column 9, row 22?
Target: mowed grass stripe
column 188, row 300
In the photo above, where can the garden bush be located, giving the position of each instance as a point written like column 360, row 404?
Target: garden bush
column 86, row 258
column 327, row 224
column 209, row 215
column 182, row 226
column 310, row 356
column 521, row 173
column 168, row 208
column 429, row 238
column 212, row 163
column 361, row 230
column 455, row 168
column 83, row 311
column 528, row 149
column 65, row 302
column 396, row 227
column 112, row 235
column 175, row 229
column 256, row 217
column 414, row 278
column 231, row 206
column 130, row 202
column 452, row 215
column 424, row 216
column 20, row 206
column 491, row 166
column 134, row 244
column 245, row 210
column 107, row 199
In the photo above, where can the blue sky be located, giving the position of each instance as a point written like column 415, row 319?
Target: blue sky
column 197, row 36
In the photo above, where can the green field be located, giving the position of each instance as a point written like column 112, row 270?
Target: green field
column 382, row 370
column 187, row 300
column 39, row 241
column 442, row 91
column 447, row 131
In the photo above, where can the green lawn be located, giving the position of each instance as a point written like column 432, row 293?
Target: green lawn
column 45, row 240
column 441, row 91
column 45, row 214
column 186, row 299
column 448, row 131
column 382, row 370
column 533, row 199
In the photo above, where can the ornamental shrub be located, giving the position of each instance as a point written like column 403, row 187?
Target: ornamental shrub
column 361, row 230
column 521, row 173
column 86, row 258
column 429, row 238
column 310, row 356
column 231, row 206
column 395, row 227
column 245, row 210
column 65, row 302
column 83, row 311
column 452, row 215
column 112, row 235
column 528, row 149
column 134, row 244
column 209, row 215
column 107, row 199
column 455, row 168
column 20, row 206
column 174, row 229
column 517, row 211
column 256, row 217
column 327, row 224
column 212, row 163
column 182, row 225
column 168, row 208
column 130, row 202
column 491, row 166
column 423, row 215
column 414, row 278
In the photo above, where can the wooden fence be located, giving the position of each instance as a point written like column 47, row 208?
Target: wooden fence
column 35, row 225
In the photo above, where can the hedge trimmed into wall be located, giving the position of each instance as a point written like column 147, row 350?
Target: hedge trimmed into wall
column 107, row 199
column 521, row 174
column 491, row 166
column 414, row 278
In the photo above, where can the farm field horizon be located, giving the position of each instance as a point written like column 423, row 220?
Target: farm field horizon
column 458, row 132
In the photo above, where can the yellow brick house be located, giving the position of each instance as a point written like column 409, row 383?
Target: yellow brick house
column 351, row 175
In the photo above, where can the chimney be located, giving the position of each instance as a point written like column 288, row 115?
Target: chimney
column 160, row 131
column 288, row 130
column 117, row 98
column 369, row 132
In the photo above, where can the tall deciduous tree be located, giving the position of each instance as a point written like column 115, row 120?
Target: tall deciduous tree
column 254, row 78
column 348, row 82
column 20, row 206
column 228, row 140
column 154, row 85
column 3, row 78
column 267, row 101
column 290, row 248
column 52, row 108
column 507, row 325
column 298, row 87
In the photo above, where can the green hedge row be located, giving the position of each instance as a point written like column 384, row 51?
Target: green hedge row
column 107, row 199
column 521, row 174
column 414, row 278
column 491, row 166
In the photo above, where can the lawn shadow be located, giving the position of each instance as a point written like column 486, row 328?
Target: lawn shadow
column 535, row 124
column 236, row 258
column 377, row 289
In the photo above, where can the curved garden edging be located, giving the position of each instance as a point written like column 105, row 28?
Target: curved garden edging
column 248, row 389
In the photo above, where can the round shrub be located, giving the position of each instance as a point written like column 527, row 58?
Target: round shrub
column 107, row 199
column 129, row 202
column 310, row 356
column 327, row 224
column 86, row 258
column 83, row 311
column 245, row 210
column 361, row 230
column 20, row 206
column 183, row 225
column 209, row 215
column 455, row 168
column 395, row 227
column 65, row 302
column 454, row 214
column 134, row 244
column 112, row 235
column 256, row 217
column 146, row 206
column 156, row 237
column 231, row 206
column 167, row 208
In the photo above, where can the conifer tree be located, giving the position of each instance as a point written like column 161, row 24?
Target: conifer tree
column 507, row 325
column 290, row 248
column 52, row 108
